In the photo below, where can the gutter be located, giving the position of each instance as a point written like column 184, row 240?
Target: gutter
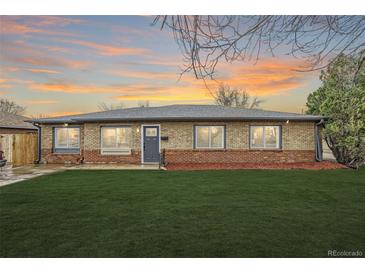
column 16, row 127
column 39, row 142
column 181, row 119
column 318, row 145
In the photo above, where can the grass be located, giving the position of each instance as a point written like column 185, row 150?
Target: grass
column 248, row 213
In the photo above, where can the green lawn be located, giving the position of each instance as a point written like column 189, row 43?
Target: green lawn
column 248, row 213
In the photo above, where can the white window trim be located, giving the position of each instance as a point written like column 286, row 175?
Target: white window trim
column 115, row 150
column 57, row 146
column 264, row 138
column 209, row 137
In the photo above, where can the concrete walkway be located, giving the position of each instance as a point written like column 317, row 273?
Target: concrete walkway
column 11, row 175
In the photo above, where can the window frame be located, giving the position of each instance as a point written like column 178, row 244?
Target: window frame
column 115, row 151
column 65, row 150
column 209, row 137
column 278, row 138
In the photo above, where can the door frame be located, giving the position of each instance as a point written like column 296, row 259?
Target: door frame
column 142, row 140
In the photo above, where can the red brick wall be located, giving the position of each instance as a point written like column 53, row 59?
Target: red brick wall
column 89, row 156
column 238, row 156
column 94, row 156
column 188, row 156
column 58, row 158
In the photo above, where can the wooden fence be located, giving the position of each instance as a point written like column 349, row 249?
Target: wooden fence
column 24, row 149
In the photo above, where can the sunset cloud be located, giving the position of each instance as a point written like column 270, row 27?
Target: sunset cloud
column 268, row 77
column 4, row 84
column 147, row 74
column 22, row 25
column 72, row 63
column 41, row 102
column 60, row 113
column 72, row 88
column 20, row 54
column 109, row 50
column 127, row 91
column 186, row 95
column 48, row 71
column 48, row 61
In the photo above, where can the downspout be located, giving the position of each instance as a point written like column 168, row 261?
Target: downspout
column 319, row 151
column 39, row 142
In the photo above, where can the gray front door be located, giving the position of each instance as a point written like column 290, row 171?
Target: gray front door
column 151, row 144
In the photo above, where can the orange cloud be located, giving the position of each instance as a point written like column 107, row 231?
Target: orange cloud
column 4, row 83
column 20, row 53
column 146, row 74
column 196, row 97
column 109, row 50
column 48, row 61
column 163, row 61
column 49, row 20
column 61, row 113
column 167, row 93
column 41, row 102
column 11, row 69
column 268, row 77
column 47, row 71
column 128, row 91
column 72, row 88
column 34, row 24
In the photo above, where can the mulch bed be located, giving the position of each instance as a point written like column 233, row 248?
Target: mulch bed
column 207, row 166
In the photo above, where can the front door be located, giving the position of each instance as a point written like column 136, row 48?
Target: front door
column 151, row 144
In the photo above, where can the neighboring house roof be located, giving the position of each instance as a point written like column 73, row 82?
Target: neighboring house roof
column 180, row 113
column 9, row 120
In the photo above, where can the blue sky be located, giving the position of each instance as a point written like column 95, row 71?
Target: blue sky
column 57, row 65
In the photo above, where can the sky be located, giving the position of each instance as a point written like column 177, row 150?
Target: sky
column 61, row 65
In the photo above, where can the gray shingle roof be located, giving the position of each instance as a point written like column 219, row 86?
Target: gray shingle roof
column 180, row 113
column 8, row 120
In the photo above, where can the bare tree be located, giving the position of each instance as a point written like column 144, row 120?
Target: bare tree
column 207, row 40
column 233, row 97
column 105, row 107
column 144, row 104
column 11, row 107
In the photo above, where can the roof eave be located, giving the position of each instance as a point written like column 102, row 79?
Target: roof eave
column 18, row 127
column 85, row 120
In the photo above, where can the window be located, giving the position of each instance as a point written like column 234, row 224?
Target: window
column 151, row 132
column 66, row 140
column 209, row 136
column 116, row 140
column 265, row 137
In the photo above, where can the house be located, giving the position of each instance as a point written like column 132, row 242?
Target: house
column 12, row 125
column 183, row 134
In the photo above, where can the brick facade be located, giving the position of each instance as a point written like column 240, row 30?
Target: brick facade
column 298, row 144
column 60, row 158
column 94, row 156
column 238, row 156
